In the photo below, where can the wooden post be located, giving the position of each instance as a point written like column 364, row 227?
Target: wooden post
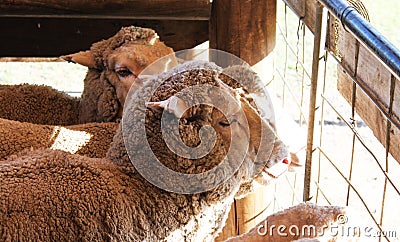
column 245, row 28
column 246, row 213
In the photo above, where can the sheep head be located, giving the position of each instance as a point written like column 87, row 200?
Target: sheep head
column 196, row 132
column 114, row 64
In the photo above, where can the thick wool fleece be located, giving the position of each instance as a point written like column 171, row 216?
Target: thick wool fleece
column 92, row 139
column 37, row 104
column 99, row 101
column 50, row 195
column 302, row 217
column 255, row 86
column 102, row 49
column 245, row 77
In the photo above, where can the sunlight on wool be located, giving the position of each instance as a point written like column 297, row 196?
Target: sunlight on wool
column 69, row 140
column 201, row 225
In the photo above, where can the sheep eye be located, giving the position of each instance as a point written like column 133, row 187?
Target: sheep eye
column 226, row 123
column 123, row 72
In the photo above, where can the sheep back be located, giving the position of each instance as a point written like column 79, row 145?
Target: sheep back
column 37, row 104
column 92, row 139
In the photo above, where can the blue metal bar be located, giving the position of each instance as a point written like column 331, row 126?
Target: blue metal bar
column 353, row 22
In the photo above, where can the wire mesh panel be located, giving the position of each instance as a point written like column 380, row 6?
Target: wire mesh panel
column 342, row 98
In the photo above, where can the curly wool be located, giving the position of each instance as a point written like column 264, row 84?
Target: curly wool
column 30, row 103
column 244, row 77
column 91, row 140
column 99, row 101
column 165, row 86
column 129, row 208
column 303, row 215
column 252, row 83
column 131, row 34
column 51, row 195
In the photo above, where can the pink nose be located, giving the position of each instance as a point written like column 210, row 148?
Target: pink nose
column 285, row 161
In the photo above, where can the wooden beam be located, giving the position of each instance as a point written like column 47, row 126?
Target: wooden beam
column 106, row 9
column 245, row 28
column 44, row 37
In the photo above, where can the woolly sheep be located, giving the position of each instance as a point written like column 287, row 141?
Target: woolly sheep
column 303, row 222
column 51, row 195
column 92, row 139
column 113, row 65
column 254, row 86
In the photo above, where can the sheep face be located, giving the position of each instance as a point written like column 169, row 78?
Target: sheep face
column 126, row 62
column 203, row 130
column 113, row 65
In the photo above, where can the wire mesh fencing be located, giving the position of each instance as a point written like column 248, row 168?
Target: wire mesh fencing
column 337, row 97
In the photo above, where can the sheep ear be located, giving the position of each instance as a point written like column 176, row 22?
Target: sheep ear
column 173, row 105
column 85, row 58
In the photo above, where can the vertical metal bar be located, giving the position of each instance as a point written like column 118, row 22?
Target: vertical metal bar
column 388, row 128
column 313, row 100
column 322, row 120
column 294, row 188
column 302, row 75
column 353, row 113
column 322, row 117
column 286, row 58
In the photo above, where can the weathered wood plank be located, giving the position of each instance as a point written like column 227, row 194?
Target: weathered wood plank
column 149, row 9
column 245, row 28
column 231, row 227
column 376, row 80
column 44, row 37
column 371, row 73
column 370, row 113
column 334, row 29
column 246, row 213
column 305, row 9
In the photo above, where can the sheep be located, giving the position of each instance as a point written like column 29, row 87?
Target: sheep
column 113, row 65
column 254, row 85
column 303, row 222
column 51, row 195
column 37, row 104
column 91, row 139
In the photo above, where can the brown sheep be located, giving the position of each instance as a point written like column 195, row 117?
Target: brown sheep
column 113, row 65
column 49, row 195
column 91, row 139
column 303, row 222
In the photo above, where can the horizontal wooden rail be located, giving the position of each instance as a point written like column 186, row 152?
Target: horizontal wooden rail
column 108, row 9
column 49, row 37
